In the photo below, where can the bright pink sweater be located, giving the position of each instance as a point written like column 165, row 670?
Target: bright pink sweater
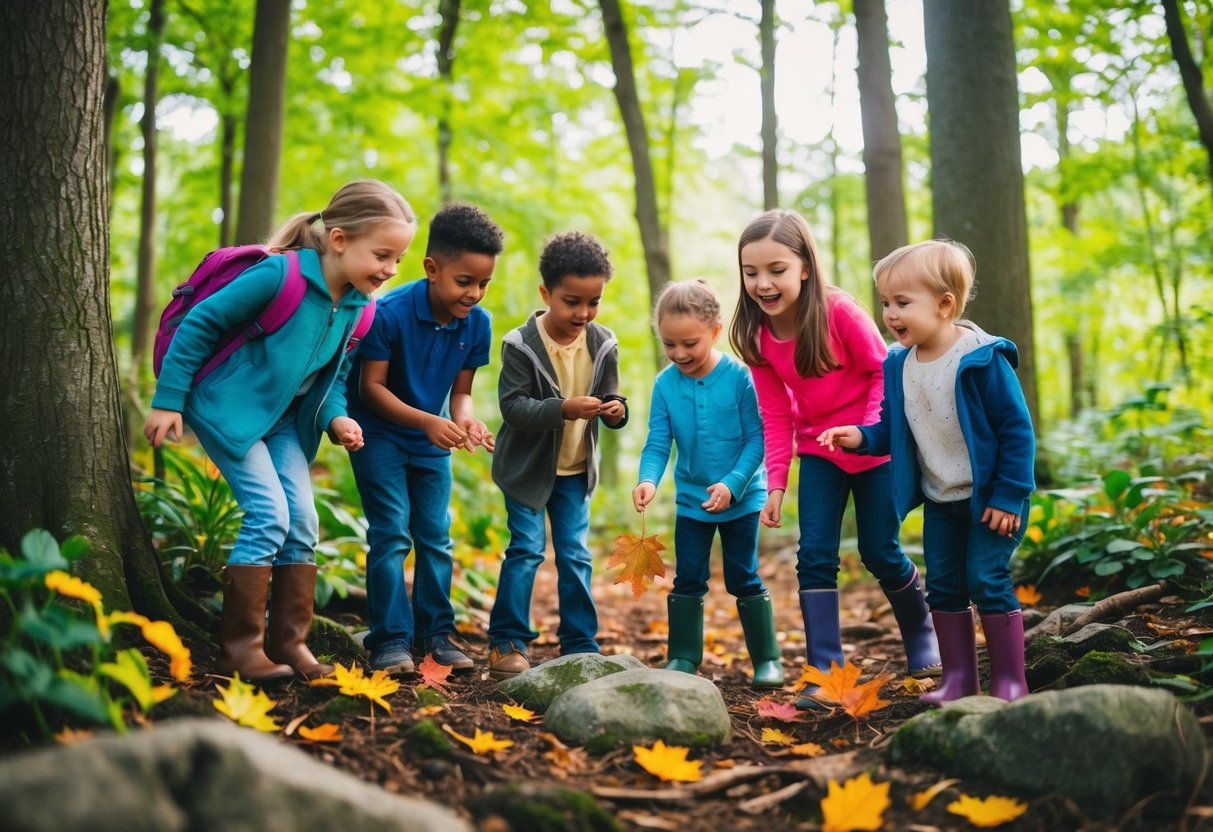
column 798, row 408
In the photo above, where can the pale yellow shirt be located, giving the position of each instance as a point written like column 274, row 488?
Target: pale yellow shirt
column 573, row 371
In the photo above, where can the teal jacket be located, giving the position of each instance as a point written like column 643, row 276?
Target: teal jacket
column 242, row 399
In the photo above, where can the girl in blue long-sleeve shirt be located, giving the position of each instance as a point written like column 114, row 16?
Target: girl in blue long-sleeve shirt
column 704, row 403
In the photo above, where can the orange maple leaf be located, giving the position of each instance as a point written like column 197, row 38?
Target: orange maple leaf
column 841, row 686
column 641, row 560
column 1028, row 594
column 328, row 732
column 433, row 675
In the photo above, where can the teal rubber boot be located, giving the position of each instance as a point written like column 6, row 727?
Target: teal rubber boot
column 685, row 650
column 758, row 622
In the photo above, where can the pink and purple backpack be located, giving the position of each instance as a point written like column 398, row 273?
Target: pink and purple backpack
column 219, row 268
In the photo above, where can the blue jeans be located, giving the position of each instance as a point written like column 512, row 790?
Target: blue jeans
column 965, row 560
column 739, row 553
column 822, row 499
column 407, row 499
column 273, row 485
column 568, row 509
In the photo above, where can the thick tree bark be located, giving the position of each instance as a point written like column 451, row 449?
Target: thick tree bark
column 1189, row 71
column 884, row 175
column 770, row 139
column 653, row 237
column 448, row 10
column 63, row 456
column 227, row 160
column 263, row 130
column 113, row 96
column 976, row 166
column 145, row 271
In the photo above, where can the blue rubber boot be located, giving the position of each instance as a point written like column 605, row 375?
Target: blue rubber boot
column 917, row 631
column 823, row 642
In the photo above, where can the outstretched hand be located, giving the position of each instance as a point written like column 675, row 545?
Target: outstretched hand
column 478, row 434
column 844, row 437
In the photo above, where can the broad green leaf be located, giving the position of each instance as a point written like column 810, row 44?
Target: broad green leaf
column 1115, row 482
column 40, row 549
column 1119, row 545
column 58, row 627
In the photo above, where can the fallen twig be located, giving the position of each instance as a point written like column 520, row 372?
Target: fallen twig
column 760, row 804
column 709, row 785
column 1116, row 604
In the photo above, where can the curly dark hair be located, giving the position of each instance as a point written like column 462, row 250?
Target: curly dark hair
column 572, row 254
column 459, row 227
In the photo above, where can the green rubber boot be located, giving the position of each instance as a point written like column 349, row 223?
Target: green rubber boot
column 686, row 632
column 758, row 622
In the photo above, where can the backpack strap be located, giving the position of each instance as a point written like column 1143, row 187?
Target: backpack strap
column 365, row 318
column 276, row 313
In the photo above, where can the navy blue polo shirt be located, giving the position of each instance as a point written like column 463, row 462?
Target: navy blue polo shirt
column 425, row 359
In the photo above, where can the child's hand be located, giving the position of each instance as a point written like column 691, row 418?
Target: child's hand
column 719, row 498
column 1000, row 522
column 161, row 425
column 845, row 437
column 611, row 412
column 771, row 512
column 347, row 432
column 642, row 495
column 478, row 433
column 444, row 433
column 580, row 407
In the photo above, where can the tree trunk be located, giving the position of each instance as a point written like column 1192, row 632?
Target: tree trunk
column 653, row 237
column 976, row 167
column 227, row 157
column 883, row 171
column 448, row 10
column 63, row 452
column 145, row 270
column 1193, row 80
column 263, row 125
column 770, row 140
column 113, row 99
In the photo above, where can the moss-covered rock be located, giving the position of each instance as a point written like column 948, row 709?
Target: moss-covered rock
column 1101, row 667
column 538, row 687
column 542, row 809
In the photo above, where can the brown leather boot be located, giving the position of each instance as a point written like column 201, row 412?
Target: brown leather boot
column 294, row 585
column 242, row 628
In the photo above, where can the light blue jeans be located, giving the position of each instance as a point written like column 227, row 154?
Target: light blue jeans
column 407, row 501
column 568, row 509
column 273, row 485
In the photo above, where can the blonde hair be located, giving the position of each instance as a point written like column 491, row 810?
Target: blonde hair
column 813, row 355
column 941, row 266
column 695, row 297
column 356, row 208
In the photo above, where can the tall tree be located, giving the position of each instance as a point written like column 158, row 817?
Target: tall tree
column 976, row 166
column 1193, row 79
column 145, row 272
column 770, row 156
column 884, row 176
column 63, row 449
column 448, row 11
column 263, row 131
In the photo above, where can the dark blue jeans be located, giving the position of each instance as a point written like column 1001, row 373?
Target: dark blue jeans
column 407, row 499
column 568, row 510
column 739, row 553
column 966, row 561
column 822, row 499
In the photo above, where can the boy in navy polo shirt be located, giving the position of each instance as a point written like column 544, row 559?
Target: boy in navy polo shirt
column 428, row 338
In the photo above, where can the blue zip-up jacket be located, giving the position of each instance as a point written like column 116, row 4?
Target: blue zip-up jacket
column 241, row 400
column 993, row 416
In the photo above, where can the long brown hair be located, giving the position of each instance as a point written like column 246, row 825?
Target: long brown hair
column 814, row 357
column 356, row 208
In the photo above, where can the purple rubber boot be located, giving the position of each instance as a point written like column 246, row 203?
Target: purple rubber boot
column 958, row 646
column 1004, row 642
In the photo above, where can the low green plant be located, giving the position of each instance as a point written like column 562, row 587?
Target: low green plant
column 59, row 659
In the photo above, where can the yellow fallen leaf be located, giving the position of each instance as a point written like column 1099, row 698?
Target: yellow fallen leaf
column 518, row 712
column 328, row 732
column 245, row 705
column 668, row 762
column 856, row 806
column 351, row 681
column 919, row 800
column 430, row 710
column 807, row 749
column 778, row 737
column 482, row 743
column 916, row 687
column 988, row 812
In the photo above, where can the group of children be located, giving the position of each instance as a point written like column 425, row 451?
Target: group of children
column 938, row 420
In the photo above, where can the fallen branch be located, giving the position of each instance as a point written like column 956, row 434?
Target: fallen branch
column 760, row 804
column 1116, row 604
column 709, row 785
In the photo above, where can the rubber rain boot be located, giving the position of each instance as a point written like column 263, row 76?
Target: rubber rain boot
column 958, row 646
column 685, row 650
column 758, row 623
column 917, row 631
column 1004, row 642
column 823, row 642
column 294, row 586
column 242, row 627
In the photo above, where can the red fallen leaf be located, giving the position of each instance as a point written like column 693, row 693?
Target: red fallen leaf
column 434, row 675
column 783, row 711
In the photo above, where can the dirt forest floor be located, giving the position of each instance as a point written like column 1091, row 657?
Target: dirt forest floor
column 393, row 753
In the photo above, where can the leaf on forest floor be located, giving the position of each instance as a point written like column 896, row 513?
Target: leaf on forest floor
column 73, row 736
column 988, row 812
column 841, row 686
column 328, row 732
column 916, row 687
column 245, row 705
column 919, row 800
column 807, row 749
column 774, row 735
column 351, row 681
column 668, row 762
column 434, row 675
column 565, row 761
column 483, row 742
column 855, row 806
column 641, row 561
column 518, row 712
column 783, row 711
column 1027, row 594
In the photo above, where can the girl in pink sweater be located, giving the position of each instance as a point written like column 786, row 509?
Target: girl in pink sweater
column 816, row 358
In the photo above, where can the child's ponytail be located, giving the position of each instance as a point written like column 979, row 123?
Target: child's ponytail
column 356, row 208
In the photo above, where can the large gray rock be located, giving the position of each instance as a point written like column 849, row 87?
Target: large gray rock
column 198, row 774
column 637, row 705
column 538, row 687
column 1104, row 746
